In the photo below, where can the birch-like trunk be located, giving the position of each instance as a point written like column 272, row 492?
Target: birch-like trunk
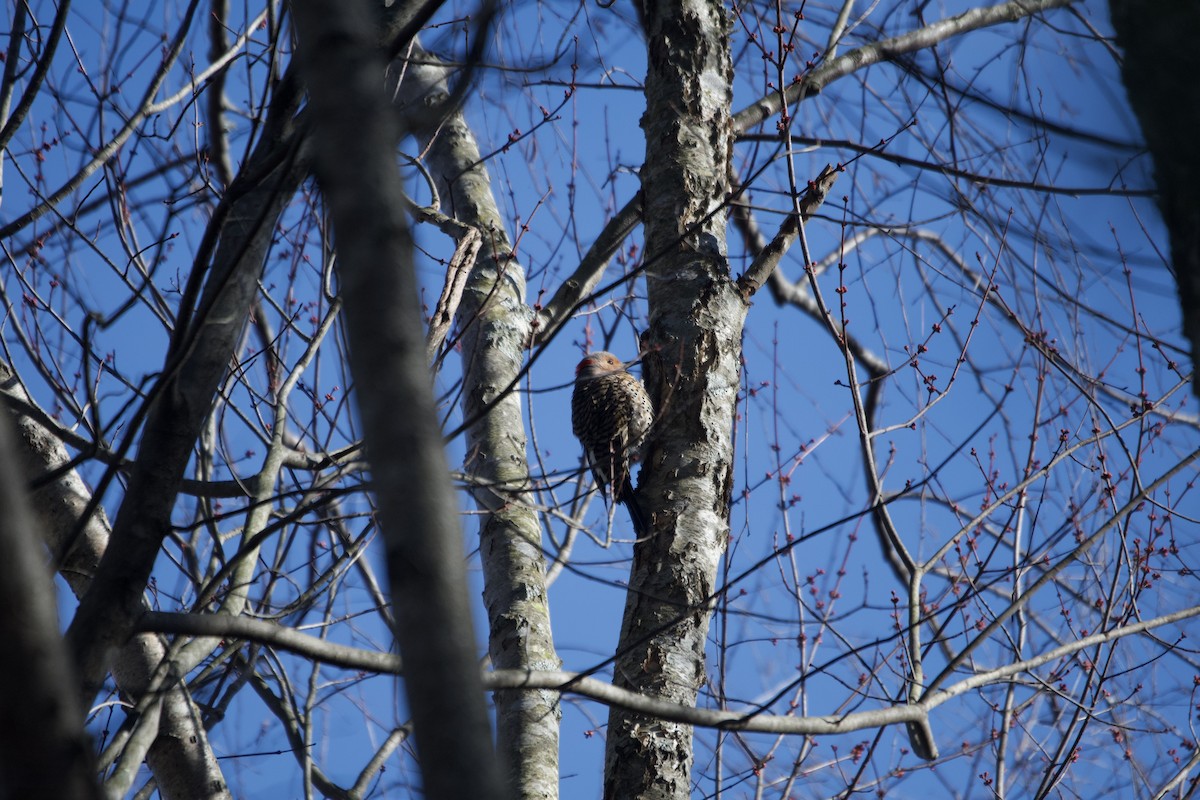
column 692, row 352
column 494, row 320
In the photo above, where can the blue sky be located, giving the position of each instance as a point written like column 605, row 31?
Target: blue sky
column 1057, row 262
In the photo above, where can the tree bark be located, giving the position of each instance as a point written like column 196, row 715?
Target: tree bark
column 44, row 751
column 1159, row 71
column 180, row 758
column 495, row 324
column 355, row 138
column 692, row 354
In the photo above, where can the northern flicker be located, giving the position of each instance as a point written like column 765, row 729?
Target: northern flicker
column 611, row 415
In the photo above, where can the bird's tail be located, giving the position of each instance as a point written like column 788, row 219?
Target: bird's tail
column 640, row 525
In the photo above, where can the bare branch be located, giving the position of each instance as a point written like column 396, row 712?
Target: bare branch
column 887, row 49
column 353, row 658
column 356, row 133
column 465, row 253
column 768, row 257
column 575, row 290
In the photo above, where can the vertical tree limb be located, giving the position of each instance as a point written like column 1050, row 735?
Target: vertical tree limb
column 199, row 357
column 495, row 323
column 355, row 138
column 692, row 363
column 1159, row 72
column 43, row 749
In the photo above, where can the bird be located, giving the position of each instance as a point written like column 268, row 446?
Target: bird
column 611, row 415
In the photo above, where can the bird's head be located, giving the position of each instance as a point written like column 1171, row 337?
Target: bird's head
column 595, row 365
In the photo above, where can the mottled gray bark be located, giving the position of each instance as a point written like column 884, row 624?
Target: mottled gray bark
column 1160, row 68
column 180, row 758
column 495, row 323
column 355, row 137
column 691, row 352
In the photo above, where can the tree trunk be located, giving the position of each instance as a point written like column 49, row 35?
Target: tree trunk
column 180, row 758
column 1159, row 71
column 206, row 337
column 494, row 321
column 692, row 353
column 44, row 751
column 355, row 138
